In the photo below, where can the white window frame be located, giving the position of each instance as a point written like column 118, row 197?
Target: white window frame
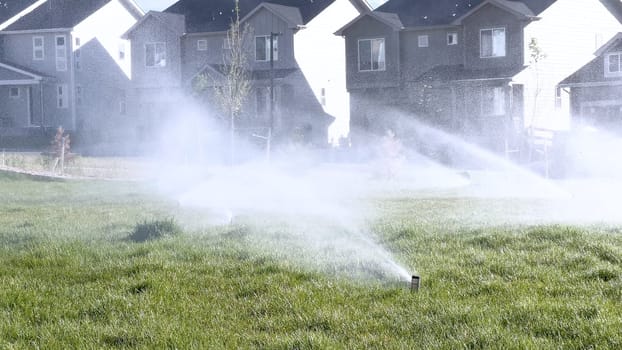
column 156, row 64
column 78, row 93
column 608, row 72
column 452, row 38
column 381, row 67
column 61, row 53
column 38, row 48
column 498, row 98
column 492, row 42
column 62, row 98
column 122, row 51
column 77, row 60
column 14, row 88
column 275, row 48
column 202, row 45
column 423, row 40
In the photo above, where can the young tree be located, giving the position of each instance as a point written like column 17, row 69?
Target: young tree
column 232, row 90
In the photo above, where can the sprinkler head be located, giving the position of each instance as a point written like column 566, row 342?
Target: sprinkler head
column 414, row 284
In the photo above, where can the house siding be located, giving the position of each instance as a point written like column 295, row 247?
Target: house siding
column 417, row 60
column 488, row 17
column 569, row 33
column 369, row 28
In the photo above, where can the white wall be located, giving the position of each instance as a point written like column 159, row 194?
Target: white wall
column 321, row 57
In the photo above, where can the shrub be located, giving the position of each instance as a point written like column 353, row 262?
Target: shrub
column 149, row 230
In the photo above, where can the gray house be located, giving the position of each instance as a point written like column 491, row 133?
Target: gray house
column 485, row 69
column 62, row 63
column 188, row 40
column 596, row 89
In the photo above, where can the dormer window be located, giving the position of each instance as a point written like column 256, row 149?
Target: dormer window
column 371, row 55
column 613, row 64
column 262, row 48
column 155, row 55
column 492, row 42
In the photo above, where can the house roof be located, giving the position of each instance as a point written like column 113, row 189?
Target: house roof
column 174, row 22
column 10, row 8
column 423, row 13
column 216, row 15
column 454, row 73
column 390, row 19
column 611, row 44
column 54, row 14
column 291, row 15
column 518, row 8
column 11, row 74
column 593, row 73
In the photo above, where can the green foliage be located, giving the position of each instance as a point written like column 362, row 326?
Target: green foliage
column 149, row 230
column 69, row 278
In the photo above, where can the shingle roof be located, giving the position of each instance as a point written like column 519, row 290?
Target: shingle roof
column 592, row 72
column 416, row 13
column 59, row 14
column 172, row 21
column 448, row 73
column 216, row 15
column 13, row 72
column 9, row 8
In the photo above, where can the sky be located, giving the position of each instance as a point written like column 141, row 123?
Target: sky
column 159, row 5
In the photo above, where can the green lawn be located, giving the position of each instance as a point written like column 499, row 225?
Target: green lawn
column 72, row 277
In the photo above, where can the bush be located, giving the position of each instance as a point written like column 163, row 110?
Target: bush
column 155, row 229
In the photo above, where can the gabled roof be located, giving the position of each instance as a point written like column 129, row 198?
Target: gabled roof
column 517, row 8
column 290, row 15
column 390, row 19
column 56, row 14
column 11, row 8
column 424, row 13
column 11, row 74
column 609, row 44
column 216, row 15
column 593, row 73
column 173, row 22
column 456, row 73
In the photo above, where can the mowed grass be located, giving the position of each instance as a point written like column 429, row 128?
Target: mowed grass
column 71, row 276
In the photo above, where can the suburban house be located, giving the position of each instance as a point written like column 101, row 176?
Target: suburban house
column 304, row 71
column 596, row 89
column 487, row 70
column 63, row 63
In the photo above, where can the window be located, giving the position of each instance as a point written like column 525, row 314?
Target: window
column 201, row 45
column 423, row 41
column 492, row 42
column 61, row 53
column 452, row 38
column 77, row 40
column 371, row 55
column 14, row 92
column 123, row 103
column 155, row 55
column 323, row 96
column 78, row 95
column 558, row 97
column 613, row 64
column 262, row 48
column 61, row 96
column 38, row 52
column 121, row 51
column 493, row 100
column 77, row 61
column 226, row 44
